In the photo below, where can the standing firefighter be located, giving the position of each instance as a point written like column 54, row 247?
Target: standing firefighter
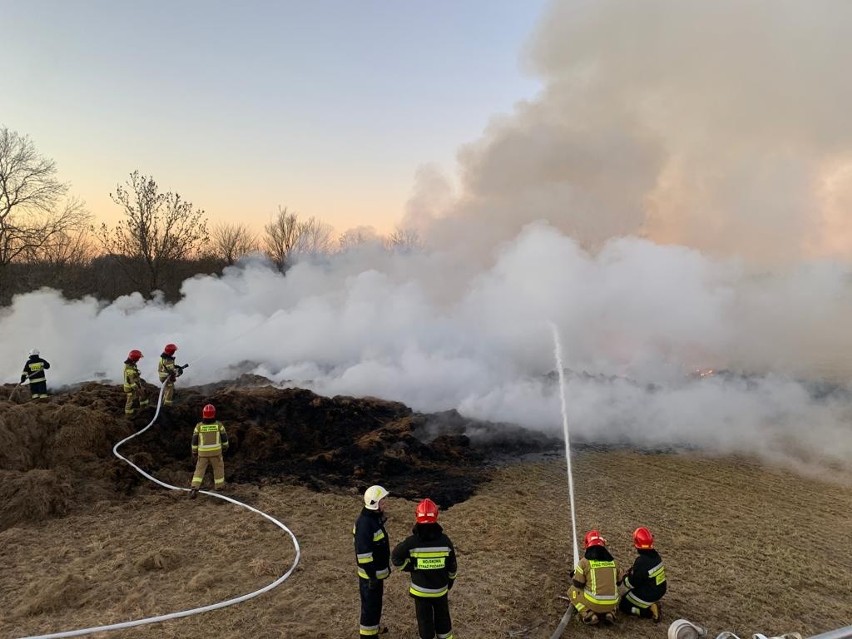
column 372, row 552
column 646, row 579
column 169, row 371
column 133, row 382
column 34, row 371
column 594, row 585
column 209, row 442
column 429, row 556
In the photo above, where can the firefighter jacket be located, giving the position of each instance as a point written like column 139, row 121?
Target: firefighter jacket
column 597, row 579
column 209, row 438
column 132, row 378
column 429, row 556
column 167, row 368
column 372, row 547
column 647, row 577
column 34, row 369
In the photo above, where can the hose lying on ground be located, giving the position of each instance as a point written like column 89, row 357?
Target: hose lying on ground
column 193, row 611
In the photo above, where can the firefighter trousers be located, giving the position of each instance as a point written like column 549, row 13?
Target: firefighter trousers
column 218, row 465
column 137, row 393
column 371, row 606
column 38, row 390
column 433, row 617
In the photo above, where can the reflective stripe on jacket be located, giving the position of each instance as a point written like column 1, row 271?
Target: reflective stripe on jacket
column 209, row 439
column 429, row 556
column 597, row 575
column 647, row 577
column 34, row 369
column 372, row 546
column 131, row 376
column 166, row 366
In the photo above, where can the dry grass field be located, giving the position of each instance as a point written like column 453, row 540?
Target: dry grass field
column 748, row 549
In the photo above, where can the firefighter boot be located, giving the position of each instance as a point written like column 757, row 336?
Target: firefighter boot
column 193, row 493
column 609, row 618
column 589, row 618
column 656, row 612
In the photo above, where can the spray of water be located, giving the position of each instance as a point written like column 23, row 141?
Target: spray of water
column 557, row 351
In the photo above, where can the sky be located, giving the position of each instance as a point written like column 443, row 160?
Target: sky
column 675, row 196
column 327, row 107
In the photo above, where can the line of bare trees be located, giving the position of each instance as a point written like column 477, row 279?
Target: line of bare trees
column 47, row 238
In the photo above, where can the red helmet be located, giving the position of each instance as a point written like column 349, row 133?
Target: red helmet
column 594, row 538
column 135, row 355
column 208, row 412
column 642, row 538
column 426, row 512
column 170, row 349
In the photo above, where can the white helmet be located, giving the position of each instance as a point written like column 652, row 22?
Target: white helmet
column 373, row 495
column 33, row 351
column 683, row 629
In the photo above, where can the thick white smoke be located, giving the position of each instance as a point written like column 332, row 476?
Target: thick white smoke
column 636, row 319
column 675, row 198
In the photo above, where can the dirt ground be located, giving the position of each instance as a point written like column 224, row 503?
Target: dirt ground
column 747, row 548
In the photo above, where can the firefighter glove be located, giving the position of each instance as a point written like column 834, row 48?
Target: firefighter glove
column 23, row 378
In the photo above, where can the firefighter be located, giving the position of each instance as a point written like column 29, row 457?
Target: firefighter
column 645, row 580
column 209, row 442
column 429, row 556
column 372, row 553
column 168, row 372
column 133, row 383
column 34, row 371
column 594, row 584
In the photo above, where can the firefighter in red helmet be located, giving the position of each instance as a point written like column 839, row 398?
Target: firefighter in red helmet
column 168, row 372
column 209, row 442
column 429, row 556
column 134, row 387
column 594, row 584
column 645, row 580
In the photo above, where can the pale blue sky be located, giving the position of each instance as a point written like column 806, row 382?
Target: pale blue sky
column 325, row 106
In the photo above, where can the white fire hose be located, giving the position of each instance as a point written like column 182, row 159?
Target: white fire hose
column 193, row 611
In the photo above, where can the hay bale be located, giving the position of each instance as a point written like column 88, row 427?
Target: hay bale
column 34, row 495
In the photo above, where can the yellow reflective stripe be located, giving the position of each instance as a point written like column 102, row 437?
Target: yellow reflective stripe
column 641, row 603
column 415, row 553
column 427, row 592
column 365, row 558
column 380, row 574
column 379, row 535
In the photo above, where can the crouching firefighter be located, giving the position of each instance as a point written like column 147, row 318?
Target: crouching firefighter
column 645, row 580
column 429, row 556
column 372, row 552
column 594, row 585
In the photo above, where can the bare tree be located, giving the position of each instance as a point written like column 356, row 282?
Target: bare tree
column 159, row 230
column 403, row 240
column 29, row 195
column 282, row 237
column 358, row 236
column 230, row 242
column 315, row 237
